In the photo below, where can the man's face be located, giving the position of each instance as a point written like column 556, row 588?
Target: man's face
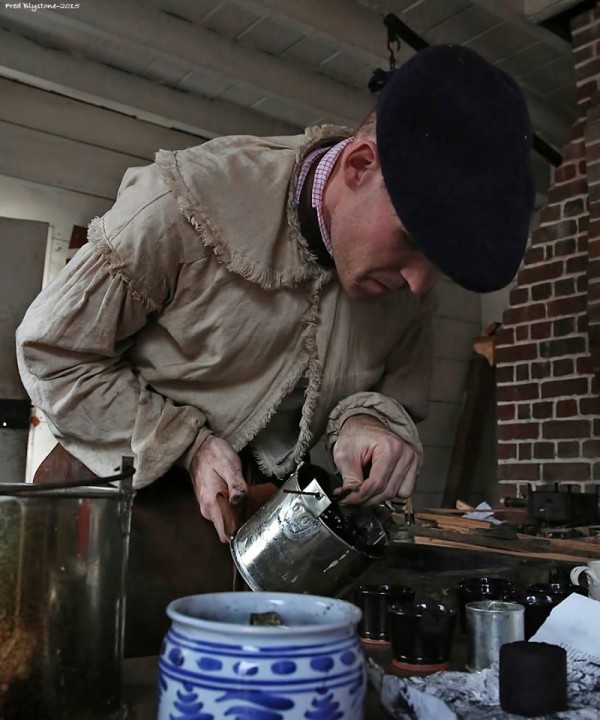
column 372, row 252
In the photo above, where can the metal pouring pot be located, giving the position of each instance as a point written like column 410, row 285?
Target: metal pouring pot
column 63, row 554
column 287, row 547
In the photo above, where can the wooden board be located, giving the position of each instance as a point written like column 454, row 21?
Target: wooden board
column 467, row 546
column 479, row 395
column 523, row 544
column 448, row 530
column 453, row 521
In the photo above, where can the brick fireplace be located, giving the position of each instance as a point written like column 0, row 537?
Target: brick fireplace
column 548, row 348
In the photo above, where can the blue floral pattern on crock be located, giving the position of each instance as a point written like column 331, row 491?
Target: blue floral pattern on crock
column 206, row 680
column 325, row 709
column 189, row 707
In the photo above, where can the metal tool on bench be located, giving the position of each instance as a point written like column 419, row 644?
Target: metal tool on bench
column 560, row 507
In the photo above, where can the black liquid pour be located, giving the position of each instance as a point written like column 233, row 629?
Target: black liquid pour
column 355, row 525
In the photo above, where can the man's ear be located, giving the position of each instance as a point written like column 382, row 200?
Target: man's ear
column 360, row 162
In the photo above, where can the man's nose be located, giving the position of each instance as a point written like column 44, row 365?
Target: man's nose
column 421, row 279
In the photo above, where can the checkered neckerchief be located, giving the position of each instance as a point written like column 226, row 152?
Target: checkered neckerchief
column 328, row 159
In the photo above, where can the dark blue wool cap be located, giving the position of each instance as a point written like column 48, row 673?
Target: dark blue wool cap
column 454, row 136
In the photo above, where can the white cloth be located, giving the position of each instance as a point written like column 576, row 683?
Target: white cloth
column 574, row 624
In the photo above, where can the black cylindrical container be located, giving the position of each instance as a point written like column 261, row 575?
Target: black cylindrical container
column 421, row 635
column 533, row 678
column 538, row 604
column 374, row 600
column 559, row 590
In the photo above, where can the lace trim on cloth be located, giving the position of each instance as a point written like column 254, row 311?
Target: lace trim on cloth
column 198, row 216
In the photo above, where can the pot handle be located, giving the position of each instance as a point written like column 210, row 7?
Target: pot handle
column 233, row 517
column 229, row 515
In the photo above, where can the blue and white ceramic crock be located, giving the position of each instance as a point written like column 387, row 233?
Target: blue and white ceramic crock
column 214, row 665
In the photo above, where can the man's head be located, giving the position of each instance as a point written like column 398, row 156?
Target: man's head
column 439, row 178
column 372, row 251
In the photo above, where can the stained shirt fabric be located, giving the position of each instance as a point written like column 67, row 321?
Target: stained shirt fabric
column 196, row 307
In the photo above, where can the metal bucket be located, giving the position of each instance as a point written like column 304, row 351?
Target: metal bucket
column 286, row 546
column 63, row 555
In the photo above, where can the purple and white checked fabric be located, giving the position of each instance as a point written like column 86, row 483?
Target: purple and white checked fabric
column 324, row 168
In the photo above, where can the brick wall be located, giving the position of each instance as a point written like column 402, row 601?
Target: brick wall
column 548, row 404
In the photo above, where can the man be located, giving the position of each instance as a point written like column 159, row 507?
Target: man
column 251, row 294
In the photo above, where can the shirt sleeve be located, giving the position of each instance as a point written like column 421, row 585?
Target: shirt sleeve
column 72, row 344
column 401, row 397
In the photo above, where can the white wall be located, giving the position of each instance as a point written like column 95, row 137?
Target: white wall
column 22, row 249
column 458, row 322
column 61, row 162
column 61, row 209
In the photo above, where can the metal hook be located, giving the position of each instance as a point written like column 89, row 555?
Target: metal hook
column 392, row 57
column 316, row 495
column 392, row 37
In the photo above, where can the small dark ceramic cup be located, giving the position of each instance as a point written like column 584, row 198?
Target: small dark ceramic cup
column 474, row 589
column 538, row 604
column 421, row 636
column 374, row 601
column 559, row 589
column 539, row 600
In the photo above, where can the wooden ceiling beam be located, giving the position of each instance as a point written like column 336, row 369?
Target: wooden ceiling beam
column 501, row 10
column 360, row 29
column 93, row 82
column 540, row 10
column 139, row 25
column 58, row 115
column 348, row 26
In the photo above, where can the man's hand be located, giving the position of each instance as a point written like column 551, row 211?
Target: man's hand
column 365, row 446
column 217, row 470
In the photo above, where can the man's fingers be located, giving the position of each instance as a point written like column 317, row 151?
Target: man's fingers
column 238, row 489
column 217, row 521
column 350, row 469
column 403, row 476
column 207, row 489
column 376, row 484
column 219, row 457
column 365, row 446
column 216, row 470
column 402, row 480
column 229, row 467
column 389, row 476
column 407, row 485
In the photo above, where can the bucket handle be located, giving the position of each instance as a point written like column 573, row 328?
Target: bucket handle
column 33, row 488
